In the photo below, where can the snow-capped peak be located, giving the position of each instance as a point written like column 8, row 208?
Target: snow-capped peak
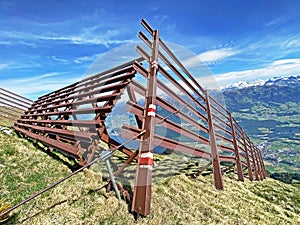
column 275, row 80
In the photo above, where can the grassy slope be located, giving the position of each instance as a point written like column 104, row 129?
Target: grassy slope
column 270, row 116
column 176, row 200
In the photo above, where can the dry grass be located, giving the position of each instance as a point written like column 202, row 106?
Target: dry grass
column 176, row 199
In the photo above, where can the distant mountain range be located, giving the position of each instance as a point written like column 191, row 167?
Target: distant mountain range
column 283, row 81
column 270, row 113
column 268, row 110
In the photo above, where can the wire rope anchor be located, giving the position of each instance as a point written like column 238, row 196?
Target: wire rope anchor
column 105, row 155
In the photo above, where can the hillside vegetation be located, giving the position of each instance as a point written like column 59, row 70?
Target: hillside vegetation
column 176, row 199
column 270, row 115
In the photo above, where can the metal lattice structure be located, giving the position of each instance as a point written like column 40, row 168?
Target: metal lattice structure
column 72, row 119
column 12, row 105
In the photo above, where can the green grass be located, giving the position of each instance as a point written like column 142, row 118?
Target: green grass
column 176, row 198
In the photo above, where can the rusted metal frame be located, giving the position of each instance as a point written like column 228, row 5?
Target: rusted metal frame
column 70, row 112
column 257, row 162
column 109, row 88
column 168, row 91
column 164, row 142
column 91, row 150
column 67, row 148
column 238, row 133
column 222, row 107
column 239, row 137
column 6, row 212
column 253, row 157
column 8, row 104
column 218, row 181
column 165, row 60
column 127, row 162
column 221, row 137
column 10, row 114
column 16, row 101
column 142, row 189
column 263, row 166
column 241, row 146
column 11, row 110
column 19, row 96
column 114, row 70
column 169, row 52
column 173, row 80
column 173, row 68
column 202, row 169
column 111, row 80
column 80, row 87
column 244, row 164
column 68, row 133
column 219, row 112
column 167, row 106
column 72, row 93
column 224, row 130
column 122, row 149
column 85, row 101
column 8, row 118
column 243, row 157
column 138, row 110
column 132, row 97
column 87, row 151
column 248, row 156
column 111, row 103
column 262, row 176
column 236, row 152
column 237, row 126
column 108, row 78
column 170, row 78
column 137, row 87
column 214, row 116
column 224, row 170
column 56, row 93
column 225, row 148
column 225, row 158
column 118, row 91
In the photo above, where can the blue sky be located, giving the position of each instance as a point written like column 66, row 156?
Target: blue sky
column 46, row 45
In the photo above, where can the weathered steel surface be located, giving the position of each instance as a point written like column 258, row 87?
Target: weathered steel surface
column 72, row 119
column 12, row 105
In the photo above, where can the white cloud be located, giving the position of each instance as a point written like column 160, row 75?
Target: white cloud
column 35, row 86
column 283, row 67
column 89, row 58
column 209, row 57
column 86, row 37
column 4, row 66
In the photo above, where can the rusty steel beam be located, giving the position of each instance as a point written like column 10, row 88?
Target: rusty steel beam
column 129, row 131
column 138, row 110
column 99, row 77
column 19, row 97
column 142, row 189
column 72, row 95
column 15, row 100
column 236, row 152
column 212, row 124
column 214, row 150
column 171, row 93
column 173, row 68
